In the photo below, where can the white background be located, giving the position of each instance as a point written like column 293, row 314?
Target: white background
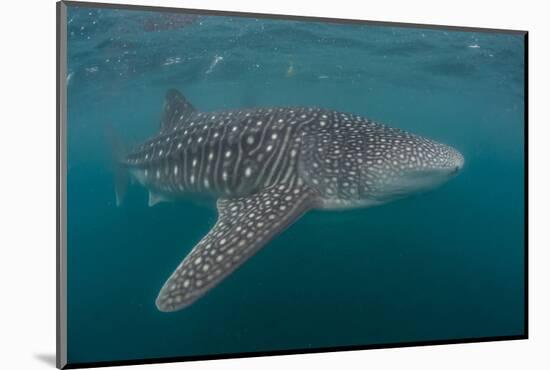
column 27, row 168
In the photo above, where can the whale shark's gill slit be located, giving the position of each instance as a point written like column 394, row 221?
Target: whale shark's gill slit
column 203, row 164
column 244, row 225
column 237, row 166
column 219, row 150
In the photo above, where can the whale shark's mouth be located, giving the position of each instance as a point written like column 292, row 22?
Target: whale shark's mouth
column 414, row 182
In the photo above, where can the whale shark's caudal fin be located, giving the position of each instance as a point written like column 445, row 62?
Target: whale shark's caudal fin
column 176, row 109
column 118, row 153
column 244, row 225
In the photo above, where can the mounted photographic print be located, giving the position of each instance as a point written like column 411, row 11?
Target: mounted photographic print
column 234, row 184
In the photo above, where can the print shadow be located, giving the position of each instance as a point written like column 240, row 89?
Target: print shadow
column 47, row 358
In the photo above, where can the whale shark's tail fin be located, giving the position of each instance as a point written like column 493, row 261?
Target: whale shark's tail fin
column 118, row 152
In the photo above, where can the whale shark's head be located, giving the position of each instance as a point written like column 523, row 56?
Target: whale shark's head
column 356, row 163
column 408, row 166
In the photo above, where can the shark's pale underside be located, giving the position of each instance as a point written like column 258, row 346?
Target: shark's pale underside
column 266, row 167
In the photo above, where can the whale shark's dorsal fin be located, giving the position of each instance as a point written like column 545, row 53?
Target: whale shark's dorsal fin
column 244, row 225
column 176, row 110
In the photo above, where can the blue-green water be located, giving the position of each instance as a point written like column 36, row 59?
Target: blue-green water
column 445, row 265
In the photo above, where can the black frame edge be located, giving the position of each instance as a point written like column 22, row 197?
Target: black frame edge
column 150, row 361
column 285, row 17
column 526, row 180
column 57, row 313
column 61, row 278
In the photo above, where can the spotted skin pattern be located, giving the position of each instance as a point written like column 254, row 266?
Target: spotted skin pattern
column 231, row 153
column 268, row 166
column 244, row 225
column 353, row 161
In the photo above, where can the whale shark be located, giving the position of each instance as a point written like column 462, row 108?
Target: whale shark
column 265, row 168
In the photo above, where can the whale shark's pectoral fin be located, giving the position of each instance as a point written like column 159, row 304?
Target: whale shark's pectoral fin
column 244, row 225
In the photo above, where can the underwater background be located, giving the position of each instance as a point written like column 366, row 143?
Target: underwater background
column 448, row 264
